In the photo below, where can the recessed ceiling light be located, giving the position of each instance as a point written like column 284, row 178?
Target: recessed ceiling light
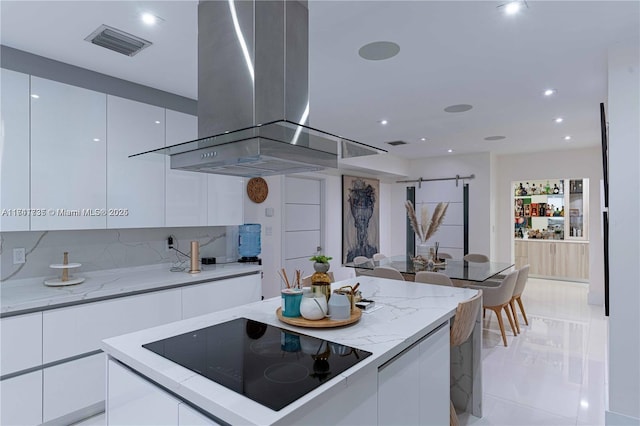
column 550, row 92
column 559, row 120
column 423, row 139
column 384, row 122
column 494, row 138
column 512, row 8
column 96, row 139
column 458, row 108
column 379, row 50
column 567, row 138
column 34, row 96
column 150, row 19
column 157, row 121
column 449, row 150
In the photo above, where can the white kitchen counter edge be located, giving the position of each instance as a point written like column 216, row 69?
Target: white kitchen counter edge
column 409, row 313
column 31, row 295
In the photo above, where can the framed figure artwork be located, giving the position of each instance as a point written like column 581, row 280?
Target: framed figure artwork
column 360, row 217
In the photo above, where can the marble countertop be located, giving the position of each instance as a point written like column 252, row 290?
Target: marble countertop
column 408, row 312
column 29, row 295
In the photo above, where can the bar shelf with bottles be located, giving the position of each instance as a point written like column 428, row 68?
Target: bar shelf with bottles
column 550, row 228
column 550, row 209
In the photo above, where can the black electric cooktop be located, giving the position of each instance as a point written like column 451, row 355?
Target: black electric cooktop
column 272, row 366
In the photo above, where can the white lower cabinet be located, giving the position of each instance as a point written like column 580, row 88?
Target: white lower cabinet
column 131, row 400
column 21, row 342
column 73, row 386
column 80, row 329
column 413, row 388
column 215, row 296
column 21, row 401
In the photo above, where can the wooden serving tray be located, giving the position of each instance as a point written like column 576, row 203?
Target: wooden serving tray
column 323, row 323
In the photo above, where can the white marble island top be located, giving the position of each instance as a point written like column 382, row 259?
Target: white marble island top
column 409, row 312
column 29, row 295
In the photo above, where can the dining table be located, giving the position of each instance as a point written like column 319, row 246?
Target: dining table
column 460, row 271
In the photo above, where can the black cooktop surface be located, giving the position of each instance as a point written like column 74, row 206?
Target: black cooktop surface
column 272, row 366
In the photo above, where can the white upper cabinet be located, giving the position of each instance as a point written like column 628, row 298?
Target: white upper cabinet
column 68, row 143
column 225, row 199
column 14, row 150
column 186, row 192
column 135, row 186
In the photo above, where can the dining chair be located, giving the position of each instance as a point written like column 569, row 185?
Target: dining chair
column 521, row 282
column 476, row 257
column 442, row 255
column 429, row 277
column 378, row 256
column 498, row 298
column 463, row 323
column 362, row 260
column 387, row 272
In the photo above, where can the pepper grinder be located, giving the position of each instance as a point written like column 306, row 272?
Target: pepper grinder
column 195, row 258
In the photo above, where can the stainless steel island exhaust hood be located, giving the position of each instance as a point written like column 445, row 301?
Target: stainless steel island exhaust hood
column 253, row 95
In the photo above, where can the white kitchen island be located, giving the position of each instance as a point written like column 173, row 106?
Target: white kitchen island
column 404, row 381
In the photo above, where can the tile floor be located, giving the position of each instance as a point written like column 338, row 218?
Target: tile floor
column 553, row 373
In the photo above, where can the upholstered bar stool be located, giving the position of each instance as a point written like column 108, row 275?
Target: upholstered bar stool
column 463, row 323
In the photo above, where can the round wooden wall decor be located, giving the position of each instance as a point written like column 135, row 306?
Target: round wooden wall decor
column 257, row 189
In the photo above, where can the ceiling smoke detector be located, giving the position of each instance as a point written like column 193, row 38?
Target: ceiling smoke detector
column 397, row 143
column 117, row 40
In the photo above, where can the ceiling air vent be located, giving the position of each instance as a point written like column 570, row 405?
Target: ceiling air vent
column 117, row 40
column 396, row 143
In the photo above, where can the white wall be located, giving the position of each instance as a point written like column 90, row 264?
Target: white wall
column 480, row 209
column 576, row 163
column 624, row 209
column 272, row 256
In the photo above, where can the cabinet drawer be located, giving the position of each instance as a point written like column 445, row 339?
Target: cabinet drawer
column 73, row 386
column 80, row 329
column 187, row 416
column 21, row 342
column 21, row 400
column 218, row 295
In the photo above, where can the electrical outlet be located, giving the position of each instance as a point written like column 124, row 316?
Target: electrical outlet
column 169, row 242
column 19, row 256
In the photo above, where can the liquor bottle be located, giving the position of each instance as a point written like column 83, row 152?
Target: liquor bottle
column 528, row 188
column 522, row 190
column 547, row 188
column 534, row 190
column 556, row 190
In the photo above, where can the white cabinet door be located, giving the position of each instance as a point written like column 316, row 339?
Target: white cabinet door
column 435, row 378
column 399, row 390
column 21, row 338
column 413, row 388
column 186, row 192
column 218, row 295
column 135, row 185
column 187, row 416
column 132, row 400
column 14, row 150
column 68, row 167
column 79, row 329
column 21, row 401
column 225, row 198
column 73, row 386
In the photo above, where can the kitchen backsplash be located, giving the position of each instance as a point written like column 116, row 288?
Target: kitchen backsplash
column 109, row 249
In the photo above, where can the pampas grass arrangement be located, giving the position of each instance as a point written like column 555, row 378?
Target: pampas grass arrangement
column 426, row 227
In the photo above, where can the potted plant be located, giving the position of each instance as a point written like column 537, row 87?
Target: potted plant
column 321, row 262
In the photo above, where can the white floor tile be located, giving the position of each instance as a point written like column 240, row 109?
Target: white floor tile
column 553, row 372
